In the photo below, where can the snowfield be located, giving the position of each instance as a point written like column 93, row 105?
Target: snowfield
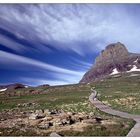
column 136, row 60
column 1, row 90
column 134, row 69
column 115, row 71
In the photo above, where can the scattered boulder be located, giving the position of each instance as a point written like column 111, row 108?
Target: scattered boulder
column 34, row 122
column 64, row 115
column 44, row 126
column 108, row 122
column 33, row 116
column 98, row 119
column 26, row 105
column 57, row 122
column 48, row 118
column 53, row 134
column 40, row 114
column 91, row 114
column 89, row 121
column 39, row 111
column 47, row 111
column 65, row 122
column 70, row 113
column 71, row 121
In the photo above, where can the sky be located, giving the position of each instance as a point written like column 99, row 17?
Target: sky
column 57, row 43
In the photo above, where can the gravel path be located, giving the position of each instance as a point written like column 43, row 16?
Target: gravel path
column 134, row 132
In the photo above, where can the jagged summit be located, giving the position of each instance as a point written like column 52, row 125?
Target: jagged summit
column 114, row 59
column 111, row 52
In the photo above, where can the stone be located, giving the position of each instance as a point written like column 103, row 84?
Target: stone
column 58, row 123
column 53, row 134
column 84, row 117
column 47, row 111
column 44, row 126
column 64, row 115
column 89, row 121
column 40, row 116
column 34, row 122
column 69, row 113
column 98, row 119
column 48, row 118
column 33, row 116
column 109, row 122
column 91, row 114
column 65, row 122
column 71, row 121
column 39, row 111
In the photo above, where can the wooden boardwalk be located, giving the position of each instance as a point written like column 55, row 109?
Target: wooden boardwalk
column 134, row 132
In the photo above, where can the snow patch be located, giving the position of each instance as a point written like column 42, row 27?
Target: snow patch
column 136, row 60
column 115, row 71
column 134, row 69
column 26, row 86
column 133, row 75
column 4, row 89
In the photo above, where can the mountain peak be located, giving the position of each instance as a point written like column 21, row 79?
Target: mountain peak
column 112, row 51
column 115, row 56
column 115, row 46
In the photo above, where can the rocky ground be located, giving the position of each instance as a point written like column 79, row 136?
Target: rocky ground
column 44, row 122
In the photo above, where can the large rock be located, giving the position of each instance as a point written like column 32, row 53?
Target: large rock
column 35, row 116
column 34, row 122
column 48, row 118
column 64, row 115
column 89, row 121
column 53, row 134
column 115, row 57
column 44, row 126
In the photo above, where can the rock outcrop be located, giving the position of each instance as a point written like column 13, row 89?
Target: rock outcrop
column 115, row 59
column 13, row 86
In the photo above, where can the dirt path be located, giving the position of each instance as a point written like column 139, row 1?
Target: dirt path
column 134, row 132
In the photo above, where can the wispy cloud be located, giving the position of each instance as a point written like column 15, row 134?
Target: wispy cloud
column 82, row 29
column 12, row 44
column 12, row 58
column 39, row 81
column 68, row 26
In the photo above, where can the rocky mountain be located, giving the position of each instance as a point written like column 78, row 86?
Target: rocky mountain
column 12, row 86
column 114, row 60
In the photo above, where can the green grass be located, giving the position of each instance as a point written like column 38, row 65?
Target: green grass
column 50, row 100
column 117, row 91
column 76, row 100
column 99, row 130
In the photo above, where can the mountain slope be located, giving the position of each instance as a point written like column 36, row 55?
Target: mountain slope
column 12, row 86
column 115, row 59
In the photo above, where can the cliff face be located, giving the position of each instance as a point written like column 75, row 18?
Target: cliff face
column 114, row 59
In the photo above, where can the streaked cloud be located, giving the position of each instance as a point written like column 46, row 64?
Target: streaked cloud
column 33, row 34
column 12, row 58
column 68, row 26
